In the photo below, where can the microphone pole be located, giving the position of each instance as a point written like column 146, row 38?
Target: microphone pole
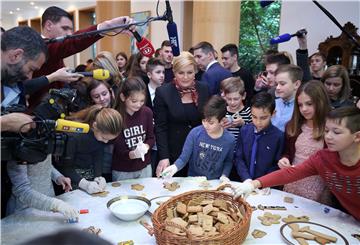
column 95, row 32
column 331, row 17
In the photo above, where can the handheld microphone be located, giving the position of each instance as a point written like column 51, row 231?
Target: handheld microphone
column 144, row 45
column 286, row 37
column 264, row 3
column 71, row 126
column 98, row 74
column 172, row 30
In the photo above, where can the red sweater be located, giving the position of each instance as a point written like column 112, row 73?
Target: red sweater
column 57, row 52
column 343, row 181
column 138, row 126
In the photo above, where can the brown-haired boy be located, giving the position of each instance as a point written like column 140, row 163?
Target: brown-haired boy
column 208, row 148
column 338, row 165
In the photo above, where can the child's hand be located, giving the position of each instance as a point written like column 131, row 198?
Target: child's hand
column 140, row 150
column 284, row 163
column 169, row 171
column 238, row 121
column 64, row 182
column 224, row 179
column 101, row 182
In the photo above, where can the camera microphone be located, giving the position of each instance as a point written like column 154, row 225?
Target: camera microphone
column 98, row 74
column 71, row 126
column 286, row 37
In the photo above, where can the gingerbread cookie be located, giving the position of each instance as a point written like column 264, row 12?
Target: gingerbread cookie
column 269, row 219
column 171, row 186
column 292, row 218
column 137, row 187
column 288, row 199
column 92, row 230
column 258, row 233
column 100, row 194
column 115, row 184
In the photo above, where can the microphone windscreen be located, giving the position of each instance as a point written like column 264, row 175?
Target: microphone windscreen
column 264, row 3
column 173, row 38
column 145, row 47
column 71, row 126
column 280, row 39
column 101, row 74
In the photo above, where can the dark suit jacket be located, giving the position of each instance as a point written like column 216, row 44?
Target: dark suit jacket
column 213, row 77
column 172, row 125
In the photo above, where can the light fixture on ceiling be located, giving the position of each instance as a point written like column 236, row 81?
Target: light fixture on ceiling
column 36, row 7
column 11, row 12
column 32, row 3
column 17, row 9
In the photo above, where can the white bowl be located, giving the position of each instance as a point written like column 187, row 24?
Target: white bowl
column 128, row 208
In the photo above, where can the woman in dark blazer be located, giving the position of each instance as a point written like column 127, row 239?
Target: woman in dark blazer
column 177, row 109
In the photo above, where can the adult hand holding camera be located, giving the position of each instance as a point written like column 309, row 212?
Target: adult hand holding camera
column 90, row 187
column 14, row 122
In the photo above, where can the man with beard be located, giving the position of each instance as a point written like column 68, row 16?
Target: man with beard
column 23, row 51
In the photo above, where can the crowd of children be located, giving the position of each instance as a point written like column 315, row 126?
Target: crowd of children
column 153, row 118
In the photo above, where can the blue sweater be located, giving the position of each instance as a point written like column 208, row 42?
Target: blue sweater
column 207, row 156
column 269, row 150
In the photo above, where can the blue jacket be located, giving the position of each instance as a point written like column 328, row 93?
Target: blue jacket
column 269, row 150
column 213, row 77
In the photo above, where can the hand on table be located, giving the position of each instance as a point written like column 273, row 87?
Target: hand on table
column 244, row 189
column 164, row 163
column 169, row 171
column 90, row 187
column 101, row 182
column 67, row 210
column 65, row 182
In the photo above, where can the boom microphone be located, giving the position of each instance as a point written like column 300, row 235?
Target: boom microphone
column 144, row 45
column 71, row 126
column 172, row 30
column 98, row 74
column 286, row 37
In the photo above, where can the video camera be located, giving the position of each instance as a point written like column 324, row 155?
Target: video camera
column 34, row 146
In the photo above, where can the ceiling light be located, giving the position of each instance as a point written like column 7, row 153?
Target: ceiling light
column 32, row 3
column 17, row 9
column 36, row 7
column 11, row 12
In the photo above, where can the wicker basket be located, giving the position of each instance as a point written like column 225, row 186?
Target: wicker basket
column 235, row 235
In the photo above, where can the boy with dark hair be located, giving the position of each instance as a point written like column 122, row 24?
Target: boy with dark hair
column 260, row 144
column 155, row 69
column 338, row 165
column 230, row 56
column 208, row 148
column 266, row 81
column 288, row 79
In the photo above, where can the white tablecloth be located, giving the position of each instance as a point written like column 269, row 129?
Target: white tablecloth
column 31, row 223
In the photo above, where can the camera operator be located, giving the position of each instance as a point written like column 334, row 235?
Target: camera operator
column 56, row 22
column 23, row 51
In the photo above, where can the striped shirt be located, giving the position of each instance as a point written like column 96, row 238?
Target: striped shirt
column 245, row 114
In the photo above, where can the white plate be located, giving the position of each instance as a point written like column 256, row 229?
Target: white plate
column 157, row 201
column 285, row 231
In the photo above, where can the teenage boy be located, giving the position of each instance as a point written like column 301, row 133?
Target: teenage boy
column 236, row 112
column 209, row 148
column 266, row 81
column 288, row 79
column 155, row 69
column 338, row 165
column 260, row 144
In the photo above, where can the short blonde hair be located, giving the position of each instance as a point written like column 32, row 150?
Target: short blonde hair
column 184, row 59
column 232, row 85
column 106, row 60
